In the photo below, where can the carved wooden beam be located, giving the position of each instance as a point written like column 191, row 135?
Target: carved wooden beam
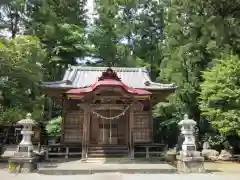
column 84, row 106
column 112, row 98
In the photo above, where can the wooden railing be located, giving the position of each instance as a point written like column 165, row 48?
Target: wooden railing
column 150, row 149
column 72, row 150
column 66, row 151
column 62, row 150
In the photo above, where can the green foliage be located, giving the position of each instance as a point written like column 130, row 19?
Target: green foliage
column 220, row 94
column 195, row 35
column 196, row 32
column 185, row 54
column 166, row 118
column 20, row 74
column 60, row 27
column 22, row 56
column 167, row 111
column 106, row 33
column 215, row 140
column 11, row 115
column 53, row 128
column 119, row 20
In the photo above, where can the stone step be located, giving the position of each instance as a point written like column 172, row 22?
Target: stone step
column 102, row 160
column 95, row 160
column 78, row 167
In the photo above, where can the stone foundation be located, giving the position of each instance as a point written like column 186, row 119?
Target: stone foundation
column 22, row 165
column 190, row 164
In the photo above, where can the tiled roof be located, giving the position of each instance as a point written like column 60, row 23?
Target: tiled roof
column 85, row 76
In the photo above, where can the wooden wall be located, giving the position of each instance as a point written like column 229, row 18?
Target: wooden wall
column 74, row 118
column 142, row 127
column 73, row 126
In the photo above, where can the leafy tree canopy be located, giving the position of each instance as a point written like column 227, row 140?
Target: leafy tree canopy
column 20, row 73
column 220, row 95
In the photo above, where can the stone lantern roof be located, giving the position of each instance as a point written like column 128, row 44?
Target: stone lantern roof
column 187, row 121
column 27, row 121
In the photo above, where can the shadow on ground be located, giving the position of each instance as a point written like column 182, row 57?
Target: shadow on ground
column 3, row 165
column 213, row 171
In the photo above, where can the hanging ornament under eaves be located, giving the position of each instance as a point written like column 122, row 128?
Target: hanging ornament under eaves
column 113, row 117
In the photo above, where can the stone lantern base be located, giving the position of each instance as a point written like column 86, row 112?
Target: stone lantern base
column 22, row 164
column 192, row 164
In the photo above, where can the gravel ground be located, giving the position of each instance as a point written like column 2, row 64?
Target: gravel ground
column 117, row 176
column 219, row 171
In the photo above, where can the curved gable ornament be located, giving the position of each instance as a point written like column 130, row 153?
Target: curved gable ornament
column 109, row 74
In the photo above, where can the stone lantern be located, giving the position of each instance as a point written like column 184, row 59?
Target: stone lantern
column 24, row 159
column 25, row 148
column 187, row 129
column 190, row 160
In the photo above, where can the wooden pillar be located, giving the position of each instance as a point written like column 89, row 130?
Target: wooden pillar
column 151, row 121
column 88, row 126
column 131, row 125
column 86, row 109
column 64, row 114
column 84, row 150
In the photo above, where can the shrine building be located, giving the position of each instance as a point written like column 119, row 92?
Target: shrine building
column 107, row 109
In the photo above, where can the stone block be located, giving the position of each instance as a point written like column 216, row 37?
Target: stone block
column 190, row 164
column 170, row 156
column 225, row 155
column 22, row 165
column 209, row 153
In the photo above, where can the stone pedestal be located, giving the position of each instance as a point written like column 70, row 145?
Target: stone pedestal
column 170, row 156
column 22, row 165
column 190, row 164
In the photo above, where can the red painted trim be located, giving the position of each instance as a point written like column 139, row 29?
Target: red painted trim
column 108, row 83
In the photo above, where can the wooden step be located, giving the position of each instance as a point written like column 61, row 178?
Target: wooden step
column 107, row 155
column 93, row 155
column 107, row 151
column 106, row 145
column 108, row 148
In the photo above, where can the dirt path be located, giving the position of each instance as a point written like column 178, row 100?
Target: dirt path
column 222, row 167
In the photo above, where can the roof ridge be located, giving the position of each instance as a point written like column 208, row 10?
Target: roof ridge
column 101, row 68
